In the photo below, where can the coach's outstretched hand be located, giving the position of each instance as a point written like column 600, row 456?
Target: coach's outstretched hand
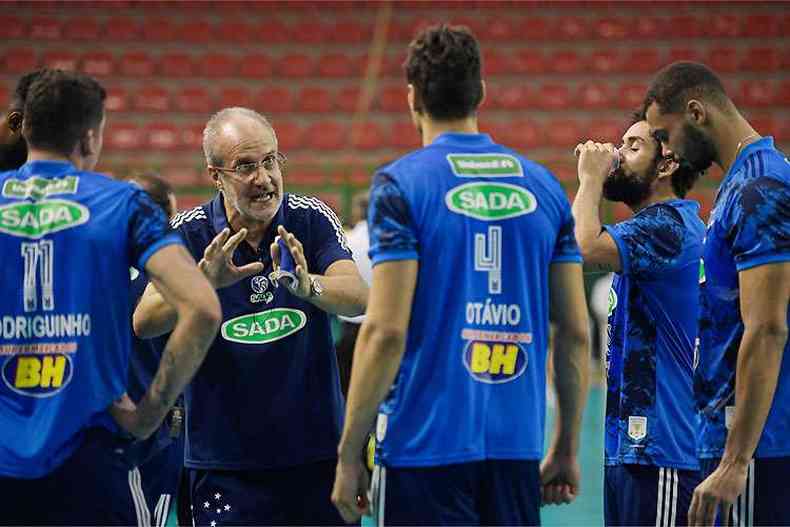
column 350, row 491
column 302, row 289
column 559, row 479
column 217, row 262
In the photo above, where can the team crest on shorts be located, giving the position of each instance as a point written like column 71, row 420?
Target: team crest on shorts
column 259, row 285
column 637, row 427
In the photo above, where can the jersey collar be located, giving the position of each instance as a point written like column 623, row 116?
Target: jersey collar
column 45, row 168
column 460, row 139
column 765, row 143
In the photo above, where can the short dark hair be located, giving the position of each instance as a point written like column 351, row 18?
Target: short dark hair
column 679, row 82
column 22, row 88
column 156, row 187
column 444, row 67
column 60, row 108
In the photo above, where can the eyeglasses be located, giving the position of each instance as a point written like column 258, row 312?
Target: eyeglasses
column 245, row 170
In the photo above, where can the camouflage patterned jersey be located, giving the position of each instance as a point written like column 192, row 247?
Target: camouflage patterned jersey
column 653, row 310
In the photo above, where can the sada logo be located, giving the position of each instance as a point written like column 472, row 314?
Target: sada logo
column 490, row 201
column 38, row 375
column 264, row 327
column 495, row 362
column 34, row 220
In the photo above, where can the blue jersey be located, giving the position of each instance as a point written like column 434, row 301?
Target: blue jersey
column 749, row 226
column 268, row 393
column 485, row 225
column 653, row 309
column 68, row 239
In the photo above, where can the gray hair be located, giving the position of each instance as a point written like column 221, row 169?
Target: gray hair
column 213, row 126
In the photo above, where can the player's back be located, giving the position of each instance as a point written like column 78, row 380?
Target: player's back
column 486, row 224
column 68, row 243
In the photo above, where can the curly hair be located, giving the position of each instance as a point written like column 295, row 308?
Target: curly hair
column 60, row 108
column 444, row 67
column 679, row 82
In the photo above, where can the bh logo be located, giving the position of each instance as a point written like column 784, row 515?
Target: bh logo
column 37, row 375
column 495, row 362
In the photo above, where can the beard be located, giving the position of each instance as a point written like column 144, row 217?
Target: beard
column 13, row 156
column 698, row 149
column 629, row 187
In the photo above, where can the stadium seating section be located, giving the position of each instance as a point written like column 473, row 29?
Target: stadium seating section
column 555, row 75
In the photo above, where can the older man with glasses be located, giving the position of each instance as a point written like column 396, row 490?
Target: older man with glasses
column 264, row 412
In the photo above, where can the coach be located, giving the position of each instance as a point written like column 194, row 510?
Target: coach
column 264, row 412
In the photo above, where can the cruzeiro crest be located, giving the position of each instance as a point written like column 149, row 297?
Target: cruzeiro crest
column 259, row 285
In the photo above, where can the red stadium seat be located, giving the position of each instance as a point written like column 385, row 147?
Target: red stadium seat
column 392, row 65
column 403, row 135
column 564, row 133
column 314, row 99
column 12, row 27
column 82, row 28
column 306, row 175
column 757, row 93
column 137, row 64
column 191, row 136
column 392, row 98
column 117, row 99
column 182, row 175
column 352, row 32
column 595, row 95
column 192, row 99
column 571, row 28
column 124, row 136
column 528, row 61
column 500, row 29
column 606, row 130
column 722, row 25
column 217, row 65
column 610, row 28
column 236, row 31
column 159, row 30
column 274, row 99
column 44, row 28
column 761, row 59
column 685, row 26
column 177, row 65
column 196, row 32
column 368, row 137
column 496, row 62
column 783, row 94
column 289, row 136
column 122, row 28
column 566, row 61
column 151, row 99
column 162, row 136
column 553, row 97
column 98, row 64
column 522, row 134
column 764, row 124
column 347, row 99
column 296, row 65
column 631, row 95
column 567, row 174
column 339, row 65
column 606, row 61
column 723, row 59
column 62, row 60
column 256, row 66
column 643, row 60
column 513, row 97
column 683, row 53
column 309, row 32
column 19, row 60
column 4, row 96
column 235, row 96
column 761, row 26
column 647, row 27
column 535, row 28
column 783, row 133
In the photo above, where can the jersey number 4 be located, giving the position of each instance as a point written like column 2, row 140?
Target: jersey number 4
column 488, row 257
column 38, row 255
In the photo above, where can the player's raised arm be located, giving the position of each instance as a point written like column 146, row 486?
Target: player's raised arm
column 196, row 306
column 560, row 469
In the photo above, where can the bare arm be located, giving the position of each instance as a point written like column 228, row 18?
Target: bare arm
column 377, row 358
column 598, row 249
column 765, row 292
column 559, row 471
column 198, row 315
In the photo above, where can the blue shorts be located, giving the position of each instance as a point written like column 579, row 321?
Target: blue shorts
column 491, row 492
column 766, row 500
column 289, row 496
column 160, row 480
column 647, row 495
column 93, row 487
